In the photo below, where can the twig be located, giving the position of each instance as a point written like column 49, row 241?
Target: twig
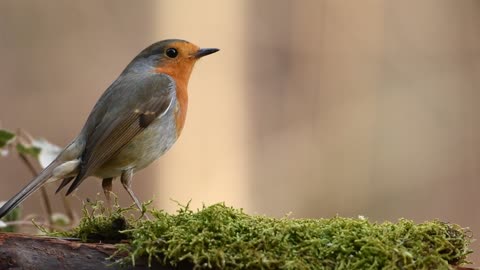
column 66, row 204
column 21, row 134
column 46, row 200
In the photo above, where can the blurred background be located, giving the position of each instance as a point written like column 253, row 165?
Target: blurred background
column 312, row 107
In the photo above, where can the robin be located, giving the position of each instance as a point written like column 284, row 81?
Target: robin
column 136, row 120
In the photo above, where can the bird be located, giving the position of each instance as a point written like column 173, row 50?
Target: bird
column 135, row 121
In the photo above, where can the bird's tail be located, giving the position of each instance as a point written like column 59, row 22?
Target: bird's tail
column 33, row 186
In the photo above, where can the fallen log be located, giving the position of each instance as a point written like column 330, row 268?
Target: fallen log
column 20, row 251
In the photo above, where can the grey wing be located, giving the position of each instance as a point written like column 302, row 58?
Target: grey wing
column 132, row 107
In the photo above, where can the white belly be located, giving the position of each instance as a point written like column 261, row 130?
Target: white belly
column 145, row 148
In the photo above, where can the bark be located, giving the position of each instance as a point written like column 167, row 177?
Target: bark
column 19, row 251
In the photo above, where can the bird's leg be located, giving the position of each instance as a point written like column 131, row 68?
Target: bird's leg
column 107, row 188
column 126, row 180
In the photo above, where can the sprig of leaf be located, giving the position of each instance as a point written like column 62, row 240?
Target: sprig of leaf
column 28, row 150
column 6, row 137
column 27, row 147
column 40, row 149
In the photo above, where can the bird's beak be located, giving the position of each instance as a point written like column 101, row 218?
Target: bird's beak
column 202, row 52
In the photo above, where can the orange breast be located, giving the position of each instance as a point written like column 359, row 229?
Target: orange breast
column 180, row 74
column 182, row 106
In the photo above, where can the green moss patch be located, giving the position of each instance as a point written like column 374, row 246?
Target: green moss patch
column 222, row 237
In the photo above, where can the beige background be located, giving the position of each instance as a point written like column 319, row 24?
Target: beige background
column 315, row 107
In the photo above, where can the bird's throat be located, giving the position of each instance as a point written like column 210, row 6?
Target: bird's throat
column 181, row 74
column 182, row 106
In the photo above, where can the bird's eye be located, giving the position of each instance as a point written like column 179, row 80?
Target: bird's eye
column 171, row 52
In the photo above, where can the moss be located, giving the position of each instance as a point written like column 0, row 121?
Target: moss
column 222, row 237
column 101, row 224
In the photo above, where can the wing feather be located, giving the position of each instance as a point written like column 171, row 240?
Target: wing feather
column 144, row 102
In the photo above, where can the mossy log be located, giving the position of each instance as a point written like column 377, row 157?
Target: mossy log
column 221, row 237
column 20, row 251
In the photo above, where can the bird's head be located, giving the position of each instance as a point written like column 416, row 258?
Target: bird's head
column 174, row 57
